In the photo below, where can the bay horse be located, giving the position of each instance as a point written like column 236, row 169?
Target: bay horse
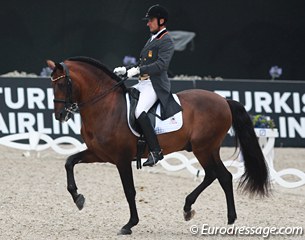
column 87, row 85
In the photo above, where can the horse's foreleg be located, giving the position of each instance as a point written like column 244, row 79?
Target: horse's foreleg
column 71, row 185
column 225, row 180
column 130, row 193
column 210, row 176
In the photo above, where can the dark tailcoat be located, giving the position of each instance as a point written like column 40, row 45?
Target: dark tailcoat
column 154, row 61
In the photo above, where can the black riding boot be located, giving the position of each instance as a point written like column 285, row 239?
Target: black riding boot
column 155, row 151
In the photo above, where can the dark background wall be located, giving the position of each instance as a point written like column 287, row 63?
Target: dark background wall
column 234, row 39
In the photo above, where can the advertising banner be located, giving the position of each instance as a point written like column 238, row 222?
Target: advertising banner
column 27, row 105
column 282, row 101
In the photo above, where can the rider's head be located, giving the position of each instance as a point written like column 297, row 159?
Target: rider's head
column 156, row 16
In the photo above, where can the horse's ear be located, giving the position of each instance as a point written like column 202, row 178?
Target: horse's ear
column 51, row 64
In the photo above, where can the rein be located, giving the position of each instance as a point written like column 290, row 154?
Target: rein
column 73, row 107
column 103, row 94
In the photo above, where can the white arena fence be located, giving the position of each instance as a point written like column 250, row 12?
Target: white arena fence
column 35, row 141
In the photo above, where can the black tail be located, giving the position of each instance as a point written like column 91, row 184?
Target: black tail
column 256, row 176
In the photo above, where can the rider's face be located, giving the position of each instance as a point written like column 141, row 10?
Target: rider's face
column 153, row 25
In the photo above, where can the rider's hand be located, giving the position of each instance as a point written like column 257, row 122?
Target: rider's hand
column 133, row 71
column 120, row 71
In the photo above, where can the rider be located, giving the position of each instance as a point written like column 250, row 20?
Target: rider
column 153, row 80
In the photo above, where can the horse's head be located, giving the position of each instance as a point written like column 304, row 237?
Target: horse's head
column 92, row 81
column 64, row 106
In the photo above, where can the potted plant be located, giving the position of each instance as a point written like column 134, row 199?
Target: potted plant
column 262, row 121
column 264, row 126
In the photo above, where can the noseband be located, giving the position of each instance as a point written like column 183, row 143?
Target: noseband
column 70, row 107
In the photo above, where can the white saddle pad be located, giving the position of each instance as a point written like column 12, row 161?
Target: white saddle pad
column 170, row 124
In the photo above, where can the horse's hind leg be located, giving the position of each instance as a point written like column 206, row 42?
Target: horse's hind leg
column 213, row 168
column 225, row 179
column 210, row 176
column 78, row 199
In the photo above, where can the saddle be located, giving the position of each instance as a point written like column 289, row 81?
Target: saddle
column 170, row 124
column 173, row 123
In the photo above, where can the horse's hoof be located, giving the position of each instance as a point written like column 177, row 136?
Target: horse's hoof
column 124, row 231
column 189, row 215
column 80, row 200
column 231, row 219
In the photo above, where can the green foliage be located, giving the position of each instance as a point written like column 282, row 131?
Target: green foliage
column 261, row 121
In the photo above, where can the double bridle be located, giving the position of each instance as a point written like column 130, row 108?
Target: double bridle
column 71, row 107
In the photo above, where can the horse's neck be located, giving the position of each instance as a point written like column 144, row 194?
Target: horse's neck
column 95, row 84
column 104, row 121
column 98, row 101
column 108, row 109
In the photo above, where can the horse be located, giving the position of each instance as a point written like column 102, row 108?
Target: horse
column 87, row 85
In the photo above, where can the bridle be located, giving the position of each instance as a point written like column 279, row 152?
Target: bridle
column 71, row 107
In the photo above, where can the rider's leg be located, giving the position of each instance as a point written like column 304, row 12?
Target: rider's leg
column 155, row 151
column 147, row 98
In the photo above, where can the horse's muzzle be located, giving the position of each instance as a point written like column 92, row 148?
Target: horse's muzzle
column 66, row 112
column 59, row 116
column 63, row 115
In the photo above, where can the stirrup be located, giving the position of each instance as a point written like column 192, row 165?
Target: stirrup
column 153, row 158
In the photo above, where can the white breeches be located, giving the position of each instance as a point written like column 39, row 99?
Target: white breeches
column 147, row 96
